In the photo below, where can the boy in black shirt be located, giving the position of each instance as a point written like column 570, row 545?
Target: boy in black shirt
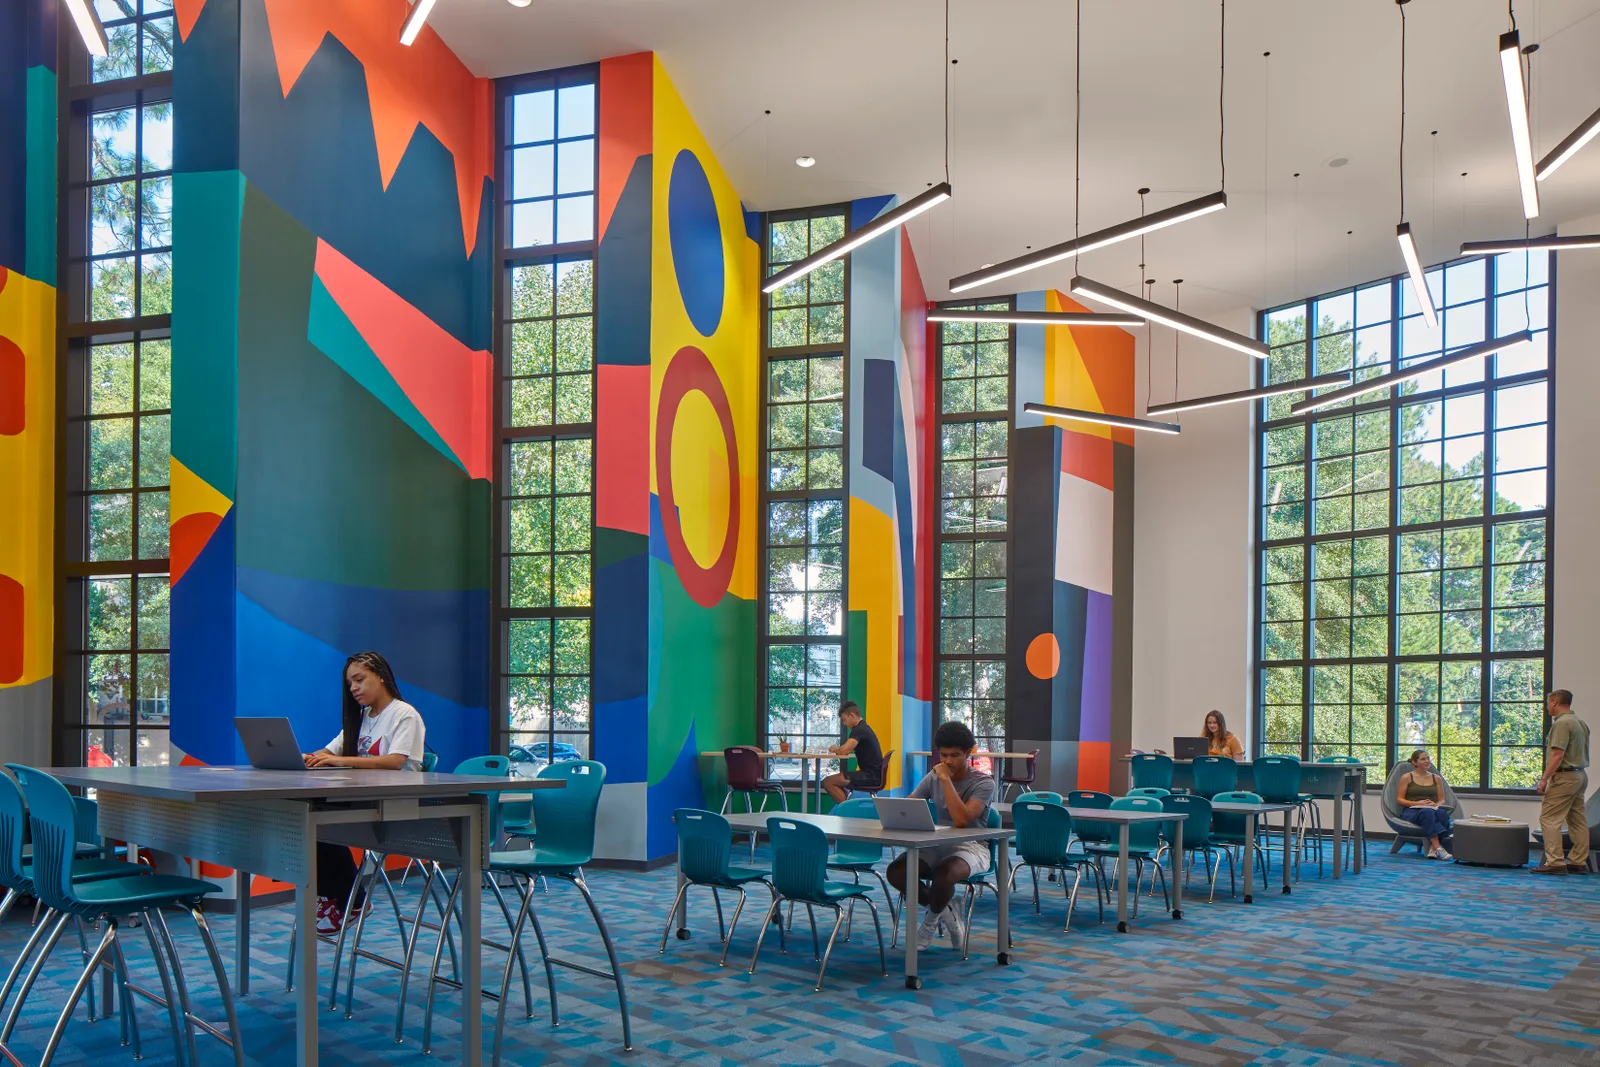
column 863, row 745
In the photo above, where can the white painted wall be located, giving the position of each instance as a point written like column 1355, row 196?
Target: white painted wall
column 1193, row 608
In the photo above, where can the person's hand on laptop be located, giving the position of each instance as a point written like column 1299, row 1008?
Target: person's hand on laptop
column 321, row 759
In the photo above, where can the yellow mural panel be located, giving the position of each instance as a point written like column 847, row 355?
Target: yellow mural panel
column 700, row 462
column 875, row 590
column 27, row 476
column 1066, row 378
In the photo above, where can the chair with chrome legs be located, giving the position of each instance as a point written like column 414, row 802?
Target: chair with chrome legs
column 1196, row 838
column 1144, row 839
column 862, row 857
column 1044, row 835
column 705, row 842
column 52, row 819
column 565, row 819
column 800, row 875
column 16, row 877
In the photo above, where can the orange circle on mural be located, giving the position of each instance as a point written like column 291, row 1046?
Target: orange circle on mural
column 1044, row 656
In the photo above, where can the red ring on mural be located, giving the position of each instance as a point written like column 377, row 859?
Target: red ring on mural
column 690, row 371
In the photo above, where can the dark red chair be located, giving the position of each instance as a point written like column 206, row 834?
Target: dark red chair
column 1018, row 772
column 744, row 776
column 877, row 787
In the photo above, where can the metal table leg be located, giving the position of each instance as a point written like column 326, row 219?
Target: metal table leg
column 1122, row 878
column 1338, row 829
column 241, row 933
column 305, row 994
column 913, row 909
column 1359, row 835
column 1002, row 930
column 471, row 939
column 1250, row 856
column 1286, row 888
column 1177, row 858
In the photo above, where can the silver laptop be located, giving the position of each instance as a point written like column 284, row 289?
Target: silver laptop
column 901, row 813
column 269, row 743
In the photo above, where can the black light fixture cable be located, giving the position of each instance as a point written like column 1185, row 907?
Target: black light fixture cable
column 1401, row 5
column 1077, row 126
column 1222, row 81
column 947, row 91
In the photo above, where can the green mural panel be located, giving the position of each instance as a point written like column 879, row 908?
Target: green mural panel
column 207, row 212
column 321, row 458
column 40, row 236
column 855, row 659
column 703, row 672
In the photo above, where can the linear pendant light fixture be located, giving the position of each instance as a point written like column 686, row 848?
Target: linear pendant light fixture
column 1111, row 235
column 1101, row 418
column 1035, row 318
column 420, row 10
column 1406, row 374
column 1304, row 385
column 89, row 27
column 1569, row 146
column 1517, row 108
column 1419, row 280
column 855, row 239
column 1177, row 320
column 1531, row 244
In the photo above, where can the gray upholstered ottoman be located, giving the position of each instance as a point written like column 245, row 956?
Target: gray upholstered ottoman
column 1490, row 844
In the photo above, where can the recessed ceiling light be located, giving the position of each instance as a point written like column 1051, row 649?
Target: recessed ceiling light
column 1338, row 161
column 804, row 161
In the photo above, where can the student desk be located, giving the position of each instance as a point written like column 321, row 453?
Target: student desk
column 1123, row 819
column 871, row 831
column 1251, row 813
column 269, row 822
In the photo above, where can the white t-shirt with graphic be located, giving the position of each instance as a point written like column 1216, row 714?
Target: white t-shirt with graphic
column 397, row 728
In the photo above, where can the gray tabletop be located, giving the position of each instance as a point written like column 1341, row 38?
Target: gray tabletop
column 871, row 830
column 1231, row 807
column 1116, row 815
column 195, row 783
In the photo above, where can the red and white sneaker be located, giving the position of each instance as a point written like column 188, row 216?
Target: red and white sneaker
column 330, row 917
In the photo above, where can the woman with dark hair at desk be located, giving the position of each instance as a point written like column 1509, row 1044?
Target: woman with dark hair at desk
column 1219, row 742
column 381, row 733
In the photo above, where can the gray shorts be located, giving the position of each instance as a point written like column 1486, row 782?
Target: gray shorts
column 976, row 853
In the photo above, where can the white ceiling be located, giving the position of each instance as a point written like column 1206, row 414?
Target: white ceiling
column 857, row 84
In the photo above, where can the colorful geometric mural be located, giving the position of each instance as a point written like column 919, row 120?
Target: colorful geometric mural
column 1071, row 619
column 27, row 372
column 331, row 437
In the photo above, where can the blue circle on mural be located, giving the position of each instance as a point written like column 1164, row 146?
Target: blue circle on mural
column 696, row 242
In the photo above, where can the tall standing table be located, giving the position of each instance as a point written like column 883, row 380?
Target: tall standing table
column 871, row 831
column 269, row 823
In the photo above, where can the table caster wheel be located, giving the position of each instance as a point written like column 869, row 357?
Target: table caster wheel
column 1249, row 898
column 683, row 935
column 1177, row 913
column 914, row 982
column 1003, row 958
column 1122, row 928
column 1287, row 890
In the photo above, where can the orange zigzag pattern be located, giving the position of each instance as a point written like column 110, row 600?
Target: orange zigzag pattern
column 424, row 83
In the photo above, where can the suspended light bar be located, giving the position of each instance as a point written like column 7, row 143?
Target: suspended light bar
column 419, row 15
column 89, row 28
column 1101, row 418
column 1531, row 244
column 1036, row 318
column 1383, row 381
column 1569, row 146
column 1145, row 309
column 1337, row 378
column 1517, row 107
column 1123, row 231
column 851, row 241
column 1419, row 281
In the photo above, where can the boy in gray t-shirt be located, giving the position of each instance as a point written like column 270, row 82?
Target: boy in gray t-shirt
column 961, row 796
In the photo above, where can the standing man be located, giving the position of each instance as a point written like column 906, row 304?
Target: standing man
column 861, row 743
column 1564, row 785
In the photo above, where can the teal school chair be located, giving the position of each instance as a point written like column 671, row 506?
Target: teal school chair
column 800, row 874
column 1197, row 838
column 1215, row 774
column 1151, row 770
column 705, row 842
column 1044, row 838
column 1353, row 821
column 1144, row 839
column 1148, row 791
column 1228, row 828
column 975, row 883
column 53, row 821
column 860, row 857
column 1278, row 782
column 1041, row 797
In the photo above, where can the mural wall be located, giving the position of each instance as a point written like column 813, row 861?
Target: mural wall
column 27, row 374
column 1069, row 652
column 331, row 438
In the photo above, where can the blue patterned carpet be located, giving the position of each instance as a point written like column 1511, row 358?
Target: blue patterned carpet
column 1413, row 962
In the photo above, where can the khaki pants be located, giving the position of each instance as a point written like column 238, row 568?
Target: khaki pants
column 1563, row 803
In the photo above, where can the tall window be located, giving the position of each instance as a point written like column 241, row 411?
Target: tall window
column 116, row 359
column 1402, row 567
column 803, row 499
column 974, row 544
column 545, row 360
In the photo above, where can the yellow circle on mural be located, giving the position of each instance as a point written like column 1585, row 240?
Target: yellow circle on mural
column 1044, row 656
column 700, row 478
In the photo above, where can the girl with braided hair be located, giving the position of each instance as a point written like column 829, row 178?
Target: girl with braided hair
column 380, row 732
